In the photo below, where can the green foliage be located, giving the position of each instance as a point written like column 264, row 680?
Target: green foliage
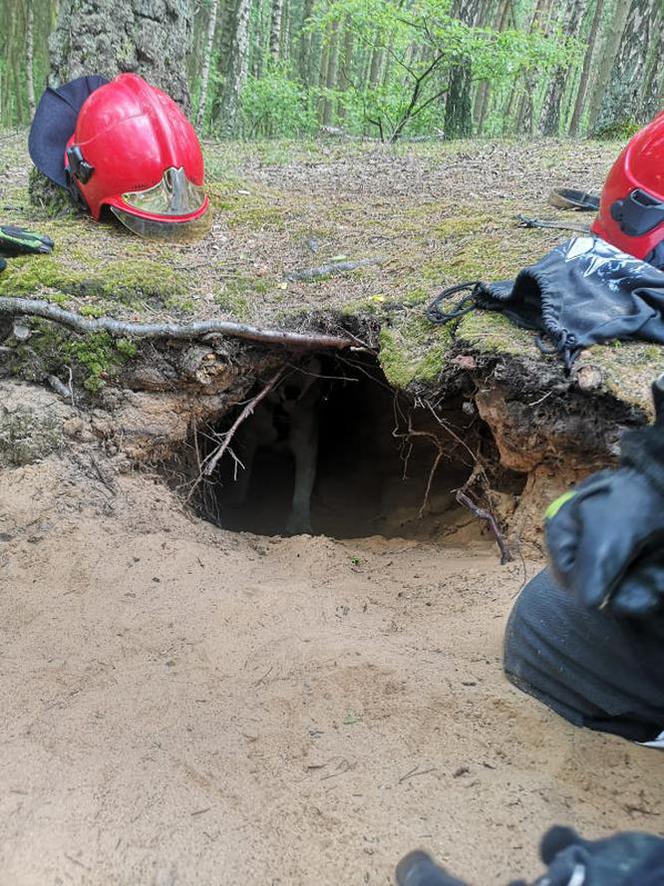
column 621, row 130
column 276, row 105
column 426, row 45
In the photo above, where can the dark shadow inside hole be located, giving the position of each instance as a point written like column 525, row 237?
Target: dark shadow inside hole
column 370, row 480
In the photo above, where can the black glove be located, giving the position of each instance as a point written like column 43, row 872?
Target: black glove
column 417, row 869
column 606, row 537
column 628, row 859
column 17, row 241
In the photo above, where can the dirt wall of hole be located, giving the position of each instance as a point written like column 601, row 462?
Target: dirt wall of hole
column 530, row 434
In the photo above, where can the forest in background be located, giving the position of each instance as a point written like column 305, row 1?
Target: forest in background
column 380, row 68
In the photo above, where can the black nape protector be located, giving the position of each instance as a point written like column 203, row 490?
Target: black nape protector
column 55, row 123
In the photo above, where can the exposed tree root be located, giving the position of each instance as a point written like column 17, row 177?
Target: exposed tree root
column 505, row 553
column 215, row 457
column 295, row 340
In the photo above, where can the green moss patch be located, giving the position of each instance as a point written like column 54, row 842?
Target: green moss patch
column 123, row 281
column 242, row 207
column 489, row 331
column 413, row 350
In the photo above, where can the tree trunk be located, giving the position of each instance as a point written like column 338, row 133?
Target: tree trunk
column 524, row 113
column 579, row 105
column 238, row 69
column 207, row 59
column 622, row 102
column 286, row 36
column 29, row 58
column 653, row 91
column 275, row 28
column 458, row 105
column 376, row 65
column 148, row 37
column 571, row 19
column 305, row 44
column 331, row 74
column 612, row 34
column 484, row 90
column 345, row 67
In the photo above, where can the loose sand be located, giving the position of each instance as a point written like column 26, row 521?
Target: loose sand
column 182, row 705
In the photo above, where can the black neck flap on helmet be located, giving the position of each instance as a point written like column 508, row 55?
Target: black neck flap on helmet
column 54, row 124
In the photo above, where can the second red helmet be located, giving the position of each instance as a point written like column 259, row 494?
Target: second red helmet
column 631, row 212
column 135, row 152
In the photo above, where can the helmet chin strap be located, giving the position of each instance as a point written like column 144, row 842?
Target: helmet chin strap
column 75, row 193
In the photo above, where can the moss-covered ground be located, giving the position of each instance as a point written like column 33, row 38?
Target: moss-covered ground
column 435, row 214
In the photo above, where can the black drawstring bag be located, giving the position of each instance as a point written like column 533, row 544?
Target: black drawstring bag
column 584, row 292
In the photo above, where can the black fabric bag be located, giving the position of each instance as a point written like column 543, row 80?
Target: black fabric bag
column 584, row 292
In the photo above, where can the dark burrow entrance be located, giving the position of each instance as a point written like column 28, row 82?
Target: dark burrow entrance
column 372, row 451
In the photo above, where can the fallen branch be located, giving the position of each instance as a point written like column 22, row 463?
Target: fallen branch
column 505, row 553
column 330, row 270
column 246, row 412
column 46, row 310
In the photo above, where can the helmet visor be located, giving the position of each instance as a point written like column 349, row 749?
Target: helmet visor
column 173, row 195
column 179, row 231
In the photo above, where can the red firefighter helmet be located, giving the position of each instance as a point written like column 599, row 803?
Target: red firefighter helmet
column 631, row 211
column 134, row 151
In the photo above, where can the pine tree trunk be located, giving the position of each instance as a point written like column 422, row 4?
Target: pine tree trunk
column 612, row 34
column 484, row 90
column 29, row 58
column 238, row 68
column 286, row 26
column 344, row 78
column 331, row 74
column 148, row 37
column 652, row 99
column 376, row 65
column 524, row 112
column 571, row 19
column 458, row 105
column 622, row 103
column 305, row 44
column 579, row 105
column 275, row 28
column 207, row 60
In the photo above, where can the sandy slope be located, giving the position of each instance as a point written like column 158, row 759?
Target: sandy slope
column 182, row 705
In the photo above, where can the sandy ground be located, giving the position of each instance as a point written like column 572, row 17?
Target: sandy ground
column 181, row 705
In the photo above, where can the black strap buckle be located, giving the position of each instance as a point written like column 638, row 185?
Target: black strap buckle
column 78, row 167
column 638, row 214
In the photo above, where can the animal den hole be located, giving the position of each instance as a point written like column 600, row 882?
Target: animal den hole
column 329, row 451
